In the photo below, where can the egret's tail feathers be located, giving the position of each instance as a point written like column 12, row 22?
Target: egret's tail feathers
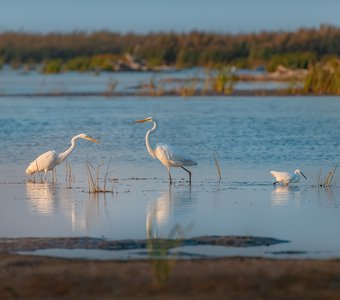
column 273, row 173
column 190, row 163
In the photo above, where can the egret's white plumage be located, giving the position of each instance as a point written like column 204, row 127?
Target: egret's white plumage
column 50, row 159
column 286, row 177
column 169, row 156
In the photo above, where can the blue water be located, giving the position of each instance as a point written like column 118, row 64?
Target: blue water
column 252, row 135
column 253, row 131
column 17, row 82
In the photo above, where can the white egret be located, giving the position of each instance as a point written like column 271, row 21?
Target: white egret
column 50, row 159
column 285, row 177
column 169, row 156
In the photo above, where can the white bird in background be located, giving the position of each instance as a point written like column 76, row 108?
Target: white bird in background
column 169, row 156
column 50, row 159
column 285, row 177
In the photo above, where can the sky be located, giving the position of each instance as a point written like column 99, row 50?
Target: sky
column 143, row 16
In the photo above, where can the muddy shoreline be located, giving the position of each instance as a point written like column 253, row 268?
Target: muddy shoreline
column 171, row 93
column 28, row 277
column 39, row 277
column 30, row 244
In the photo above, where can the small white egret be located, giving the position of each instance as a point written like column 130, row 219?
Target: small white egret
column 285, row 177
column 50, row 159
column 169, row 156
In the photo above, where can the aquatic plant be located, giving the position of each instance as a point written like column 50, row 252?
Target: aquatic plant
column 111, row 87
column 53, row 66
column 189, row 87
column 323, row 77
column 207, row 81
column 104, row 62
column 80, row 63
column 294, row 60
column 93, row 178
column 69, row 177
column 326, row 181
column 217, row 164
column 294, row 86
column 155, row 87
column 223, row 82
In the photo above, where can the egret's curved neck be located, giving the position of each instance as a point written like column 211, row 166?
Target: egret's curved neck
column 66, row 153
column 147, row 143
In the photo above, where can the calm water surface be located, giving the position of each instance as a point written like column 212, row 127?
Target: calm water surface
column 18, row 82
column 251, row 135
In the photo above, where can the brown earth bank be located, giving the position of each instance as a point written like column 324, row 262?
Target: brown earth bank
column 28, row 244
column 31, row 277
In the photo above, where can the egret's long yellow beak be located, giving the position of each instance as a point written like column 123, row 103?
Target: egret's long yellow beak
column 92, row 140
column 141, row 121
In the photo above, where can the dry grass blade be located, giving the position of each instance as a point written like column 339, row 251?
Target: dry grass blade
column 107, row 172
column 217, row 164
column 319, row 180
column 330, row 176
column 89, row 177
column 93, row 178
column 328, row 180
column 69, row 179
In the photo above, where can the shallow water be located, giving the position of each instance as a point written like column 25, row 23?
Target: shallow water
column 252, row 136
column 17, row 82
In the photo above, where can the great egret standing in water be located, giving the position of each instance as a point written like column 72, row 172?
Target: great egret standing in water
column 169, row 156
column 50, row 159
column 285, row 177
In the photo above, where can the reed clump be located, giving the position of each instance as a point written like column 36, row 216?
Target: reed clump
column 328, row 180
column 223, row 82
column 323, row 78
column 189, row 88
column 111, row 87
column 95, row 185
column 155, row 88
column 69, row 177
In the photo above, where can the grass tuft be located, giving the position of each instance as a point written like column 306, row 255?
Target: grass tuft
column 93, row 178
column 69, row 177
column 328, row 180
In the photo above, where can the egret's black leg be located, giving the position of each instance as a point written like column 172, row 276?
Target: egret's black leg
column 170, row 179
column 188, row 172
column 53, row 176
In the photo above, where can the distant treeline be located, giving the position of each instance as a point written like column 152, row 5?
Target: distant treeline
column 99, row 49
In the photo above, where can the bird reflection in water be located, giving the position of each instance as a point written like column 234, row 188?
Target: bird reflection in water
column 158, row 216
column 281, row 195
column 41, row 197
column 162, row 212
column 52, row 200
